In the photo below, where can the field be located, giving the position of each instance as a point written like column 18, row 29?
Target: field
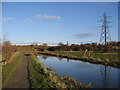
column 110, row 56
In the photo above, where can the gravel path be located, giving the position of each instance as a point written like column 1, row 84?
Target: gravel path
column 19, row 78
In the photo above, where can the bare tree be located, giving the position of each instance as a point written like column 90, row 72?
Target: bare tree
column 6, row 50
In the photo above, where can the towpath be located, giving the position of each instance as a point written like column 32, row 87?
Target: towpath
column 19, row 78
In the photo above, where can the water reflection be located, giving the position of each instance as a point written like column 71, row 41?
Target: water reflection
column 105, row 71
column 59, row 58
column 100, row 75
column 44, row 57
column 68, row 60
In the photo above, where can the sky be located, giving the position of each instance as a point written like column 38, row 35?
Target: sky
column 60, row 0
column 54, row 22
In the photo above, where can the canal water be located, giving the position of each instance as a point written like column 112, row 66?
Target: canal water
column 99, row 75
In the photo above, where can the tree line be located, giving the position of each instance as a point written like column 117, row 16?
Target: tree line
column 6, row 48
column 112, row 46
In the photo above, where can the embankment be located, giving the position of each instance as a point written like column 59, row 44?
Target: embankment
column 113, row 63
column 42, row 77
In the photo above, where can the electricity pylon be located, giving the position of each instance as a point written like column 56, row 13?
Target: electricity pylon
column 105, row 39
column 105, row 35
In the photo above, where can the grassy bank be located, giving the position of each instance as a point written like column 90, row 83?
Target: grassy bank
column 42, row 77
column 98, row 59
column 39, row 77
column 111, row 56
column 9, row 68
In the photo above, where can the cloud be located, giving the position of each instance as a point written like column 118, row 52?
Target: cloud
column 51, row 17
column 78, row 64
column 29, row 20
column 52, row 43
column 85, row 35
column 95, row 28
column 5, row 19
column 37, row 16
column 47, row 17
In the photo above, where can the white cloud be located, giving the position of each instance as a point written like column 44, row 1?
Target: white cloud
column 95, row 28
column 29, row 20
column 51, row 17
column 84, row 35
column 46, row 17
column 37, row 16
column 5, row 19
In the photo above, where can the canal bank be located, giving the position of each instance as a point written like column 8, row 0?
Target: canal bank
column 42, row 77
column 99, row 76
column 106, row 62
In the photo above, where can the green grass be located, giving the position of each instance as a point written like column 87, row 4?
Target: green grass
column 110, row 56
column 38, row 76
column 9, row 68
column 36, row 79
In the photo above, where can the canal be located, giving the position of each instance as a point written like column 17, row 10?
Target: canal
column 99, row 76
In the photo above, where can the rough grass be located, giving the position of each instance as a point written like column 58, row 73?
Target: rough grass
column 9, row 68
column 39, row 77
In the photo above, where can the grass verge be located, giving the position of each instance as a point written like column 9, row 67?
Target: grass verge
column 9, row 68
column 38, row 76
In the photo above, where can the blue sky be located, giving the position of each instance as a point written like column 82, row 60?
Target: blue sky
column 28, row 22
